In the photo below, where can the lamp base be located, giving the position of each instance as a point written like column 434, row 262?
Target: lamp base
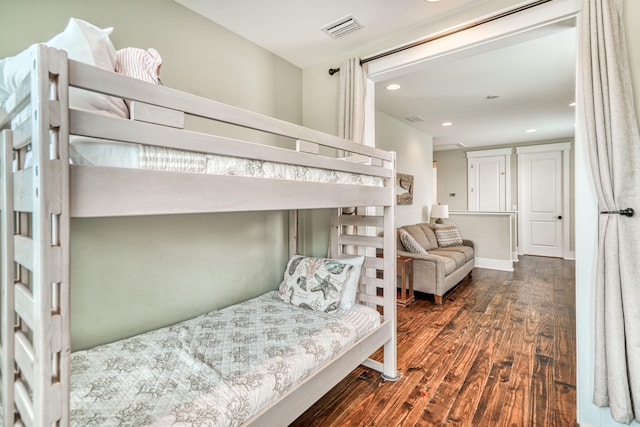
column 439, row 221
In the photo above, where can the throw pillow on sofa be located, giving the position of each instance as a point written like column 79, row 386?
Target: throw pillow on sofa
column 448, row 235
column 410, row 243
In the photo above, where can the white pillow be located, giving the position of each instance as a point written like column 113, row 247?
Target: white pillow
column 4, row 92
column 83, row 42
column 12, row 71
column 350, row 288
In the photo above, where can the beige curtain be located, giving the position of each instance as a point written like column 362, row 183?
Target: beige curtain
column 352, row 100
column 614, row 151
column 351, row 116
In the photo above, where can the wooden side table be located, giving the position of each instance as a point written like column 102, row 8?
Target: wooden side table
column 404, row 268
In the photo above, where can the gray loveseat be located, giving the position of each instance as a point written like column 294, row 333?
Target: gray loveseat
column 441, row 268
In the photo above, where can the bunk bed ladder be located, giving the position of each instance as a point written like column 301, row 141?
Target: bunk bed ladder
column 356, row 235
column 35, row 250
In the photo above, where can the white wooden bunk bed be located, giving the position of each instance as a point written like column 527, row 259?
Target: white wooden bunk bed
column 41, row 191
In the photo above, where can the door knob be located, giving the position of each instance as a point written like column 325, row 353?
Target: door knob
column 559, row 217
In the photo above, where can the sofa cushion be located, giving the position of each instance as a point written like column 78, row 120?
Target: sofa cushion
column 417, row 233
column 450, row 264
column 458, row 258
column 427, row 229
column 466, row 250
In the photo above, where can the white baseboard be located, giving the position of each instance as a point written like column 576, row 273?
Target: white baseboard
column 494, row 264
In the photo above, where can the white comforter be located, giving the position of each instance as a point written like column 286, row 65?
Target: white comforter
column 214, row 370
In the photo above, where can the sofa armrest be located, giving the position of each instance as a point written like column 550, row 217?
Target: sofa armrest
column 466, row 242
column 428, row 272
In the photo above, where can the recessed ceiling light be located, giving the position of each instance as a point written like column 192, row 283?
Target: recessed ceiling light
column 393, row 86
column 447, row 124
column 432, row 1
column 530, row 130
column 573, row 104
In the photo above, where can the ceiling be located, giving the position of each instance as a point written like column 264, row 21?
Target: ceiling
column 533, row 79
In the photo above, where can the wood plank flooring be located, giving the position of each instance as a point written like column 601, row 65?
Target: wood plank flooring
column 500, row 351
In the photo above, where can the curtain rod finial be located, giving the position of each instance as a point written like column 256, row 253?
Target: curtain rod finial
column 332, row 71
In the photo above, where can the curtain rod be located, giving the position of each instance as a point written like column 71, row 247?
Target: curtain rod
column 440, row 35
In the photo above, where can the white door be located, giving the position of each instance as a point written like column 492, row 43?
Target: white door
column 542, row 204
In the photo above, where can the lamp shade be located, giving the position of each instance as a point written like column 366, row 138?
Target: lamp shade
column 440, row 211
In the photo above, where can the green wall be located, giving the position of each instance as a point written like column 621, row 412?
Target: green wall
column 134, row 274
column 414, row 157
column 199, row 56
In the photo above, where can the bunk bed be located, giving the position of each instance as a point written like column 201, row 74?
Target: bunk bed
column 42, row 190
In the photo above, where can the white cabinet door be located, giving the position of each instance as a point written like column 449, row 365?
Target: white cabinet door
column 487, row 183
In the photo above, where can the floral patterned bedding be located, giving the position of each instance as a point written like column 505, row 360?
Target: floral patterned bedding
column 214, row 370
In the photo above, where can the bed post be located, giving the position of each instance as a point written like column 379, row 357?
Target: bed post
column 390, row 362
column 36, row 293
column 7, row 309
column 354, row 231
column 294, row 244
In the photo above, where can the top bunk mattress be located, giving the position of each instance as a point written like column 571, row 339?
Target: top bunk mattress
column 97, row 152
column 217, row 369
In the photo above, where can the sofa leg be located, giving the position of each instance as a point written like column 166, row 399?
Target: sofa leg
column 438, row 299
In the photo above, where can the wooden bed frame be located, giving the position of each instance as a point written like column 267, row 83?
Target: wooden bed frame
column 38, row 202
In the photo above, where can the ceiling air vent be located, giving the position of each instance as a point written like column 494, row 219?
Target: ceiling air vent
column 414, row 119
column 341, row 27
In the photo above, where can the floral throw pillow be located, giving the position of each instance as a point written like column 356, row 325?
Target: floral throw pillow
column 314, row 283
column 410, row 244
column 447, row 235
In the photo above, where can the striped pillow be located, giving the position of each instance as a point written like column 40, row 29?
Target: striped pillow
column 448, row 235
column 139, row 63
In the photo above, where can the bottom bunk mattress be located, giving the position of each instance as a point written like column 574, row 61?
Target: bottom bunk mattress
column 217, row 369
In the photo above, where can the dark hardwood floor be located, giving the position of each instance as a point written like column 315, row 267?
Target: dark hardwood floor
column 500, row 351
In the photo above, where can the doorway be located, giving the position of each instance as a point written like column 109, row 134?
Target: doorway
column 543, row 199
column 475, row 40
column 468, row 93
